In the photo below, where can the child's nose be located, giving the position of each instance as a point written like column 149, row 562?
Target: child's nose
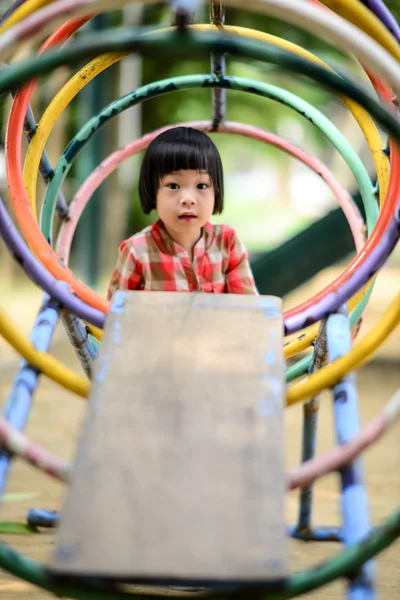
column 188, row 199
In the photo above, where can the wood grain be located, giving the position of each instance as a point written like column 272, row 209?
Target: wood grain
column 179, row 471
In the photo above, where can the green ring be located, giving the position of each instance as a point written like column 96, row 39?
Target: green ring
column 349, row 559
column 193, row 81
column 202, row 43
column 251, row 86
column 346, row 562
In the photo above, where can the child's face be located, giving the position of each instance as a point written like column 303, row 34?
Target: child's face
column 185, row 200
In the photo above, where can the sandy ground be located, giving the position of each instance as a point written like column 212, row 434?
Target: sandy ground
column 55, row 422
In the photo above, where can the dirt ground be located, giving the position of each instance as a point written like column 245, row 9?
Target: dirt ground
column 55, row 421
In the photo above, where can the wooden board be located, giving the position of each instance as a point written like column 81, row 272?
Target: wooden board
column 179, row 471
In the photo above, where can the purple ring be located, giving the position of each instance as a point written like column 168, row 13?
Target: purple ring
column 39, row 274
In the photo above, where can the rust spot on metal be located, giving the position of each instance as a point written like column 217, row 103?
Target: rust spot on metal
column 311, row 408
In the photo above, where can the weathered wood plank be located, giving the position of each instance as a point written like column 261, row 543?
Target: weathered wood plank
column 179, row 470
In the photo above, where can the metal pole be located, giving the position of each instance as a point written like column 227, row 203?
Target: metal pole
column 19, row 401
column 217, row 18
column 89, row 234
column 356, row 524
column 310, row 420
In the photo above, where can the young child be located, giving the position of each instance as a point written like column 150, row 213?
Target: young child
column 181, row 178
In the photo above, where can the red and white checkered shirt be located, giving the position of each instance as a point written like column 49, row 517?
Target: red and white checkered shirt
column 151, row 260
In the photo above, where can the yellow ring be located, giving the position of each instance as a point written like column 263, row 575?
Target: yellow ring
column 95, row 331
column 99, row 64
column 29, row 7
column 46, row 363
column 359, row 354
column 297, row 392
column 355, row 12
column 313, row 385
column 352, row 10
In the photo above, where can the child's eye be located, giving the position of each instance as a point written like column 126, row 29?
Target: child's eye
column 173, row 186
column 202, row 186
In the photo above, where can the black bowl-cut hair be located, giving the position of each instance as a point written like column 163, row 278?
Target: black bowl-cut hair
column 175, row 149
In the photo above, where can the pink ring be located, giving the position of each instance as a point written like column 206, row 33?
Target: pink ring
column 18, row 443
column 108, row 165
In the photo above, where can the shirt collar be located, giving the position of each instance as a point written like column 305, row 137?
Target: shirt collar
column 166, row 243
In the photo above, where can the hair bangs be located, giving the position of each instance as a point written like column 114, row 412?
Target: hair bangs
column 182, row 156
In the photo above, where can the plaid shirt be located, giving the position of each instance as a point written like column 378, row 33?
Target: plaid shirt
column 151, row 260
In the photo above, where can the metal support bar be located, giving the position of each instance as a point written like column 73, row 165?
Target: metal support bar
column 310, row 421
column 316, row 534
column 39, row 517
column 73, row 325
column 79, row 338
column 183, row 12
column 356, row 524
column 19, row 401
column 217, row 17
column 45, row 169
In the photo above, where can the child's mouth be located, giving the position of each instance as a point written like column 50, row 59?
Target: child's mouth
column 187, row 218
